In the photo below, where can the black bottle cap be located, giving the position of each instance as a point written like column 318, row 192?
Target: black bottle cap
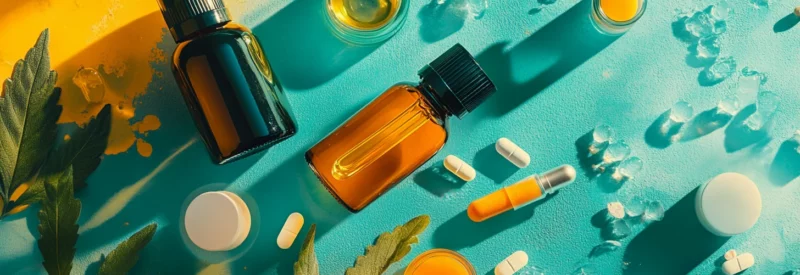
column 185, row 17
column 457, row 80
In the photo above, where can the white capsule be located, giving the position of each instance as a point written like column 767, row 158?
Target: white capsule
column 739, row 264
column 290, row 230
column 512, row 264
column 459, row 168
column 513, row 153
column 217, row 221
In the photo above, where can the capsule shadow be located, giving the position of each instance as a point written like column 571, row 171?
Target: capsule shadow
column 437, row 180
column 493, row 165
column 786, row 23
column 786, row 165
column 675, row 245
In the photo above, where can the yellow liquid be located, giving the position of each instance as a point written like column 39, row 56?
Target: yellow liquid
column 439, row 262
column 620, row 10
column 364, row 14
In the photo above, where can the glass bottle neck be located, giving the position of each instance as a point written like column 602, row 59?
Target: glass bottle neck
column 433, row 99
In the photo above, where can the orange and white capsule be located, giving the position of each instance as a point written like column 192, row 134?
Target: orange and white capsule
column 459, row 168
column 290, row 230
column 513, row 153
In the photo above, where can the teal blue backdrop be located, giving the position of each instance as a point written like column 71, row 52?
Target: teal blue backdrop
column 557, row 79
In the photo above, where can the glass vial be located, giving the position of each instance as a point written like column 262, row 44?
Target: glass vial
column 235, row 100
column 364, row 22
column 399, row 131
column 615, row 17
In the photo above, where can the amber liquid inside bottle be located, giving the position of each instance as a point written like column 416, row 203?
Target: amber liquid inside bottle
column 379, row 146
column 237, row 104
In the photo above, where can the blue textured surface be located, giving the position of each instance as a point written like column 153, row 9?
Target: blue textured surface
column 558, row 78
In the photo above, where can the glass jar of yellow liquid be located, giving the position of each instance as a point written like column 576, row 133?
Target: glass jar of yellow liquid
column 364, row 22
column 439, row 262
column 615, row 17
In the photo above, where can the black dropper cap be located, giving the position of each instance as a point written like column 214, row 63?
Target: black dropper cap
column 457, row 80
column 185, row 17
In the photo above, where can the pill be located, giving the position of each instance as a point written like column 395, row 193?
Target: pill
column 512, row 264
column 459, row 168
column 217, row 221
column 513, row 153
column 739, row 264
column 290, row 230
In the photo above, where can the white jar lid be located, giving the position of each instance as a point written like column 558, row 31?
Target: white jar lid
column 728, row 204
column 217, row 221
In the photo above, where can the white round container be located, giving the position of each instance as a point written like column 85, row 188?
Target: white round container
column 728, row 204
column 217, row 221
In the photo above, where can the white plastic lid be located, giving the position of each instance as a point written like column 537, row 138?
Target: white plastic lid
column 728, row 204
column 217, row 221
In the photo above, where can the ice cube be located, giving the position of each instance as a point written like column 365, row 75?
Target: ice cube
column 760, row 3
column 627, row 169
column 476, row 8
column 616, row 230
column 635, row 207
column 654, row 211
column 605, row 247
column 615, row 211
column 601, row 136
column 729, row 106
column 721, row 69
column 708, row 47
column 699, row 24
column 748, row 72
column 615, row 152
column 91, row 83
column 679, row 114
column 796, row 136
column 766, row 105
column 719, row 11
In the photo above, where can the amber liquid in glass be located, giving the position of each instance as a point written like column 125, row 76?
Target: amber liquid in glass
column 378, row 147
column 237, row 104
column 364, row 14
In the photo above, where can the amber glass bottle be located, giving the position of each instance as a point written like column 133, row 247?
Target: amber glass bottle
column 235, row 100
column 399, row 131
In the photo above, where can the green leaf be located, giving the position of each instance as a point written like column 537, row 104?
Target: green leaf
column 58, row 223
column 28, row 115
column 83, row 150
column 125, row 256
column 307, row 263
column 390, row 248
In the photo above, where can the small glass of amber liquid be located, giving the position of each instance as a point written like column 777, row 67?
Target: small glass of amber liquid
column 365, row 22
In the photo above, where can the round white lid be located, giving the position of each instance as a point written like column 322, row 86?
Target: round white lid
column 729, row 204
column 217, row 221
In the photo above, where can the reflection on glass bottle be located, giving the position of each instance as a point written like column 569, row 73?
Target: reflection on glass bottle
column 399, row 131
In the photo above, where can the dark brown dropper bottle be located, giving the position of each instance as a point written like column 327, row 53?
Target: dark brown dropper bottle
column 235, row 100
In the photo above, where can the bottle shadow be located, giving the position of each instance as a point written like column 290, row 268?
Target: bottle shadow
column 438, row 21
column 477, row 232
column 493, row 165
column 301, row 47
column 675, row 245
column 738, row 136
column 541, row 59
column 786, row 165
column 786, row 23
column 437, row 180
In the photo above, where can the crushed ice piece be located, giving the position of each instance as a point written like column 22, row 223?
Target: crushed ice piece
column 719, row 11
column 730, row 255
column 680, row 113
column 615, row 210
column 748, row 72
column 441, row 2
column 760, row 3
column 532, row 270
column 635, row 207
column 476, row 8
column 628, row 169
column 722, row 68
column 729, row 106
column 699, row 24
column 615, row 152
column 766, row 105
column 91, row 84
column 797, row 140
column 654, row 211
column 617, row 230
column 601, row 136
column 708, row 47
column 605, row 247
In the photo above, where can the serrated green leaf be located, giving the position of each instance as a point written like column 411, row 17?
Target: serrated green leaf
column 58, row 223
column 390, row 248
column 28, row 115
column 307, row 262
column 125, row 256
